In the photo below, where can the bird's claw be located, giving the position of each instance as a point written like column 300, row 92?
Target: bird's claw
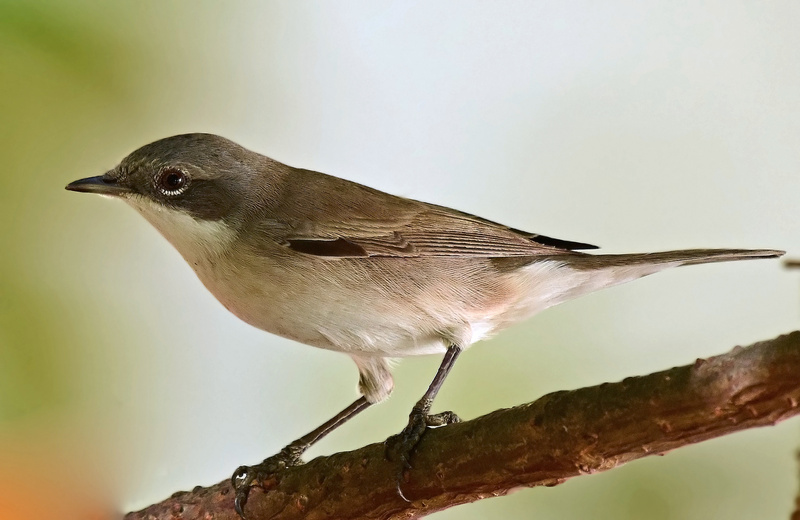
column 246, row 477
column 400, row 447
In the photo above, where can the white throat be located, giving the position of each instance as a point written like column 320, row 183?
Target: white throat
column 195, row 239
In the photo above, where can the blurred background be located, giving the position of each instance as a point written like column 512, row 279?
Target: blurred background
column 635, row 126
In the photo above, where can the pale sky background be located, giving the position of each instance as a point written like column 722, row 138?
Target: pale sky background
column 635, row 126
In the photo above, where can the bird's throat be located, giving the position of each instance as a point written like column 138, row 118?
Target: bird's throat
column 197, row 240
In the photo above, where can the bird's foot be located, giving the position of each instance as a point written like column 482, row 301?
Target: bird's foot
column 263, row 475
column 401, row 447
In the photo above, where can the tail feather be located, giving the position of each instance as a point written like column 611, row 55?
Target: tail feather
column 681, row 257
column 567, row 276
column 585, row 273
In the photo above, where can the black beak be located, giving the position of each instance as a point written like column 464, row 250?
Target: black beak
column 99, row 184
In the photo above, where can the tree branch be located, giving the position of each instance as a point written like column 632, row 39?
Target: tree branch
column 543, row 443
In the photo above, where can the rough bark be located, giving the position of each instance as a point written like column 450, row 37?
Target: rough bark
column 559, row 436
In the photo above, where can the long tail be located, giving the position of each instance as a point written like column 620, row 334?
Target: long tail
column 670, row 258
column 572, row 275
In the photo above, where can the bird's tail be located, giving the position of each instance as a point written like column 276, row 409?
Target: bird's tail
column 570, row 276
column 665, row 259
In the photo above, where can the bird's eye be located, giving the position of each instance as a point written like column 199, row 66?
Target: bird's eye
column 172, row 181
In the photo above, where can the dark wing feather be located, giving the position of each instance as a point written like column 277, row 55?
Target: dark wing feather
column 561, row 244
column 331, row 217
column 339, row 247
column 427, row 233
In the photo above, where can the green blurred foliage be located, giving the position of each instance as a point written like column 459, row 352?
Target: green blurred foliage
column 60, row 68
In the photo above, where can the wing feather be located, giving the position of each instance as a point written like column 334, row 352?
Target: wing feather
column 330, row 217
column 427, row 234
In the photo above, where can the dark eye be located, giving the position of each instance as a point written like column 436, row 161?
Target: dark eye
column 172, row 181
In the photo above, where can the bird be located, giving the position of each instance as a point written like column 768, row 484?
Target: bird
column 340, row 266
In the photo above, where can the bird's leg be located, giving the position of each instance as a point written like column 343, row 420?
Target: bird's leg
column 246, row 477
column 401, row 446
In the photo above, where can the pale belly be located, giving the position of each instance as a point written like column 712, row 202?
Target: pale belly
column 369, row 307
column 363, row 306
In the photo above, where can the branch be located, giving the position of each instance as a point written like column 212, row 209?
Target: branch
column 543, row 443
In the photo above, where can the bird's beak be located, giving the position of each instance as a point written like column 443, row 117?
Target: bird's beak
column 101, row 184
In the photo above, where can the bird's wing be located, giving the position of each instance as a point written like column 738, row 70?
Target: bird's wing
column 431, row 231
column 326, row 216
